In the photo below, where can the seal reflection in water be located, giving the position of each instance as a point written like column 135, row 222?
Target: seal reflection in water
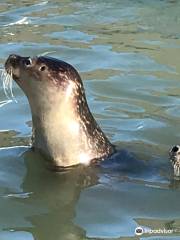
column 64, row 129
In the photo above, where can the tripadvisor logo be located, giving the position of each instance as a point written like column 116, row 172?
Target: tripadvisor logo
column 139, row 231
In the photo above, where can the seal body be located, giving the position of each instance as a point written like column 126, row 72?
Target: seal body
column 64, row 129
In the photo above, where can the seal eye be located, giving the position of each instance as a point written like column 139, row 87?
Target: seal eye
column 42, row 68
column 28, row 62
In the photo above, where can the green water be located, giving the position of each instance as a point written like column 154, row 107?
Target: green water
column 128, row 55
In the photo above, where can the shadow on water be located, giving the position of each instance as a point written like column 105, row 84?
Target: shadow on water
column 80, row 203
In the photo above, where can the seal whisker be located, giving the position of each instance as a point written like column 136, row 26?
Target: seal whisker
column 2, row 103
column 11, row 85
column 3, row 77
column 5, row 80
column 2, row 74
column 7, row 83
column 2, row 71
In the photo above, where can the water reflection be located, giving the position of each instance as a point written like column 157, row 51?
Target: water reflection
column 56, row 194
column 44, row 200
column 70, row 205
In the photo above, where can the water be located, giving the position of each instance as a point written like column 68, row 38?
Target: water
column 127, row 53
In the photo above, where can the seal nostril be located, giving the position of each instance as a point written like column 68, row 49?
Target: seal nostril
column 175, row 149
column 42, row 68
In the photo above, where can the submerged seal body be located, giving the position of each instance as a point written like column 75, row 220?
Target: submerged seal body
column 64, row 129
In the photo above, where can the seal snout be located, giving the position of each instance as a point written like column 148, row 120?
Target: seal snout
column 12, row 61
column 13, row 65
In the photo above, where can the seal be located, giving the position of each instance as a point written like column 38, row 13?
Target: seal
column 64, row 130
column 174, row 155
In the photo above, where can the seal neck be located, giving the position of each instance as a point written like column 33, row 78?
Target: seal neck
column 64, row 129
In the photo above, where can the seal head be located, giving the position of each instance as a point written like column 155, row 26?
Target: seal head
column 174, row 154
column 64, row 129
